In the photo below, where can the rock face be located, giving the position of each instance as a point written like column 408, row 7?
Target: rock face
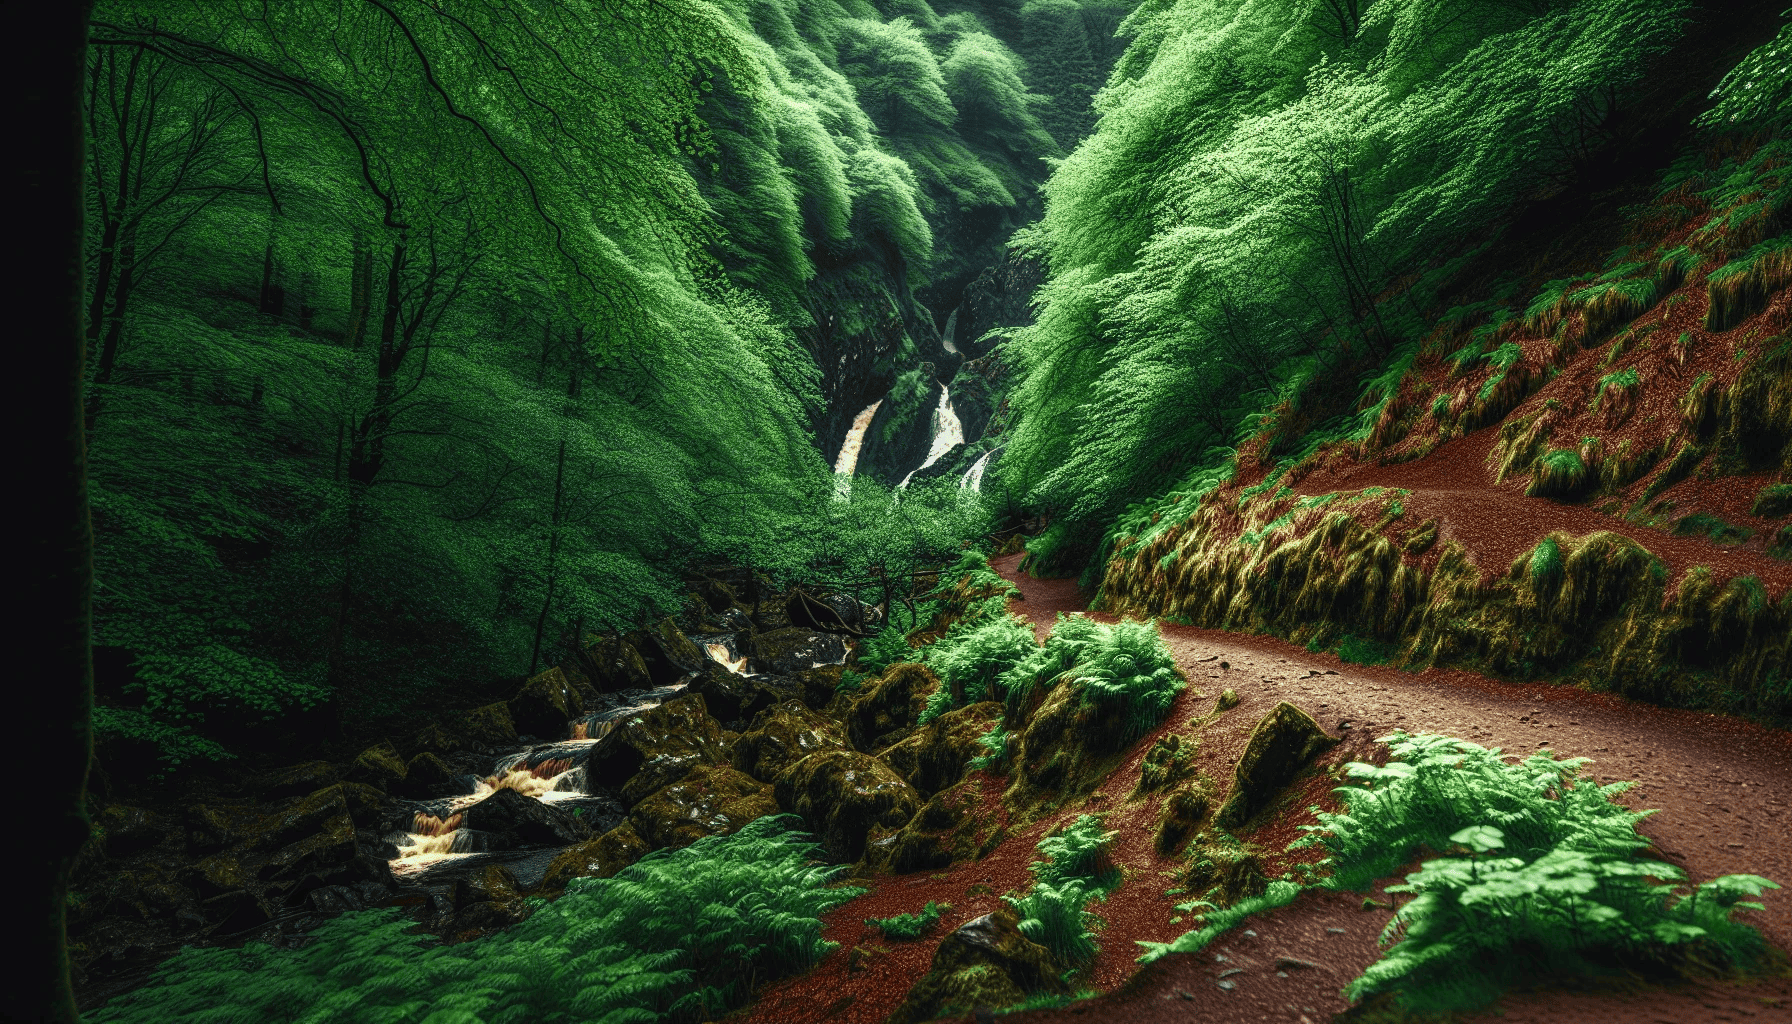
column 843, row 795
column 783, row 735
column 709, row 801
column 602, row 857
column 901, row 432
column 935, row 756
column 887, row 707
column 1280, row 746
column 1001, row 296
column 545, row 705
column 679, row 734
column 791, row 651
column 986, row 962
column 508, row 812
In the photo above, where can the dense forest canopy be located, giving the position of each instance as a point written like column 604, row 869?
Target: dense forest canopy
column 425, row 338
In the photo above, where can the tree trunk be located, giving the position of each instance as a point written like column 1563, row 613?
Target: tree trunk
column 52, row 540
column 121, row 301
column 360, row 291
column 547, row 603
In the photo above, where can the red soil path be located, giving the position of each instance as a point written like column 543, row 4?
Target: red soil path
column 1724, row 788
column 1497, row 524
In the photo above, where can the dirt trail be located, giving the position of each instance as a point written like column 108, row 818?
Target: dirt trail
column 1496, row 524
column 1723, row 788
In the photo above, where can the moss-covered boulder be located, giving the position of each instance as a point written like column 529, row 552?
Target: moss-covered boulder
column 935, row 756
column 793, row 650
column 596, row 858
column 984, row 963
column 1179, row 817
column 783, row 735
column 888, row 706
column 545, row 705
column 1168, row 762
column 1282, row 744
column 713, row 800
column 947, row 829
column 843, row 795
column 618, row 664
column 509, row 813
column 426, row 775
column 673, row 738
column 378, row 766
column 1068, row 748
column 297, row 780
column 667, row 652
column 729, row 696
column 1223, row 872
column 478, row 730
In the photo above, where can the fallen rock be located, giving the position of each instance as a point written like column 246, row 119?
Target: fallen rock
column 935, row 756
column 298, row 780
column 1067, row 748
column 426, row 775
column 843, row 795
column 677, row 736
column 984, row 963
column 714, row 800
column 946, row 830
column 602, row 857
column 887, row 707
column 793, row 650
column 781, row 736
column 729, row 696
column 1179, row 818
column 668, row 654
column 618, row 664
column 1280, row 746
column 546, row 705
column 508, row 812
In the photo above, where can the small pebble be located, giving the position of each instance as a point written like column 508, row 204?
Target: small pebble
column 1334, row 931
column 1249, row 934
column 1219, row 958
column 1230, row 971
column 1281, row 974
column 1226, row 985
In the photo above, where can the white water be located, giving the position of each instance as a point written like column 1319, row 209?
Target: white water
column 973, row 477
column 951, row 329
column 947, row 431
column 855, row 439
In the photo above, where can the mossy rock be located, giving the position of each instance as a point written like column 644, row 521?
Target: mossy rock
column 984, row 963
column 477, row 730
column 672, row 738
column 1227, row 700
column 426, row 775
column 669, row 654
column 729, row 696
column 1166, row 763
column 1179, row 817
column 1068, row 749
column 783, row 735
column 843, row 795
column 1774, row 501
column 1224, row 873
column 509, row 813
column 546, row 705
column 792, row 651
column 378, row 766
column 1282, row 744
column 945, row 831
column 713, row 800
column 298, row 779
column 602, row 857
column 619, row 664
column 935, row 756
column 888, row 706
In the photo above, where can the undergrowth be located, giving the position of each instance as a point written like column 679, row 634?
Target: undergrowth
column 679, row 936
column 910, row 926
column 1078, row 869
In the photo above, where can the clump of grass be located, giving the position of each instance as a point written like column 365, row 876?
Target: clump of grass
column 1546, row 564
column 1703, row 524
column 1359, row 650
column 1045, row 667
column 1278, row 894
column 1559, row 471
column 1611, row 303
column 682, row 934
column 1624, row 380
column 903, row 927
column 1128, row 672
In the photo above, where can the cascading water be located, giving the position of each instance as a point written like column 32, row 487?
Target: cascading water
column 947, row 337
column 947, row 432
column 973, row 477
column 848, row 459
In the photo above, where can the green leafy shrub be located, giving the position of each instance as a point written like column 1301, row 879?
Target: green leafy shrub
column 1569, row 891
column 910, row 926
column 1559, row 471
column 1127, row 671
column 1359, row 650
column 678, row 936
column 972, row 656
column 890, row 646
column 1624, row 379
column 1071, row 635
column 1775, row 500
column 1077, row 869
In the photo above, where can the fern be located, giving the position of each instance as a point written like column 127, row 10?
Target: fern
column 910, row 926
column 1078, row 868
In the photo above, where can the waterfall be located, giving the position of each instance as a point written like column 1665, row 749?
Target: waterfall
column 848, row 460
column 946, row 338
column 947, row 432
column 973, row 477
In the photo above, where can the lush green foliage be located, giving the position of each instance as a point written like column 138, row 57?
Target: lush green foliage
column 910, row 926
column 1278, row 894
column 972, row 656
column 1568, row 890
column 681, row 935
column 1262, row 173
column 1126, row 671
column 1046, row 667
column 1076, row 871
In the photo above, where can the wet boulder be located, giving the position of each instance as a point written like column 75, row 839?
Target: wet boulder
column 843, row 795
column 617, row 664
column 378, row 766
column 510, row 813
column 675, row 736
column 936, row 755
column 791, row 651
column 546, row 704
column 1179, row 817
column 602, row 857
column 478, row 731
column 668, row 654
column 985, row 962
column 426, row 775
column 770, row 614
column 1282, row 744
column 783, row 735
column 710, row 801
column 729, row 696
column 888, row 706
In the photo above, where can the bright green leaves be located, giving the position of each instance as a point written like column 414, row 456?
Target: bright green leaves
column 1077, row 870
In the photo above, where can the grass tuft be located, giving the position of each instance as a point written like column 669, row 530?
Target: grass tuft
column 903, row 927
column 1740, row 289
column 1559, row 472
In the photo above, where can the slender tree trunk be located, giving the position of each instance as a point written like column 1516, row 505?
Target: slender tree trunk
column 360, row 291
column 121, row 302
column 547, row 603
column 52, row 556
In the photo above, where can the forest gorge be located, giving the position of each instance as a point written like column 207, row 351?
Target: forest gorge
column 895, row 510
